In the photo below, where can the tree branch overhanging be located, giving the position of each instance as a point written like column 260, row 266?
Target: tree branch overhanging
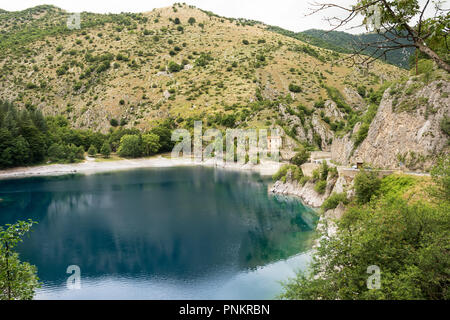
column 396, row 27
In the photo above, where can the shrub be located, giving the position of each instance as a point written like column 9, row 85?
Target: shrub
column 174, row 67
column 445, row 125
column 191, row 21
column 362, row 133
column 304, row 180
column 92, row 151
column 55, row 152
column 301, row 157
column 131, row 146
column 297, row 173
column 177, row 21
column 316, row 174
column 367, row 184
column 362, row 91
column 245, row 42
column 294, row 88
column 333, row 201
column 150, row 144
column 203, row 60
column 114, row 122
column 320, row 186
column 106, row 149
column 424, row 66
column 319, row 104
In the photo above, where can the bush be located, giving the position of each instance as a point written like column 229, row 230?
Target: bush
column 174, row 67
column 424, row 66
column 106, row 149
column 366, row 184
column 203, row 60
column 55, row 152
column 114, row 122
column 445, row 125
column 297, row 173
column 362, row 91
column 319, row 104
column 245, row 42
column 294, row 88
column 301, row 157
column 177, row 21
column 65, row 153
column 333, row 201
column 131, row 146
column 92, row 151
column 151, row 144
column 362, row 133
column 191, row 21
column 320, row 186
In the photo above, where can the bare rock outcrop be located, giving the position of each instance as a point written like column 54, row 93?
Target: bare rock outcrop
column 395, row 136
column 406, row 130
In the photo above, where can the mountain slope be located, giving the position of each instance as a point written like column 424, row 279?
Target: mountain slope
column 182, row 63
column 346, row 43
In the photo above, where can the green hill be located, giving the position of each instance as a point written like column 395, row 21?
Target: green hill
column 345, row 43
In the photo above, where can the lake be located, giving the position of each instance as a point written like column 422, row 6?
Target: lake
column 172, row 233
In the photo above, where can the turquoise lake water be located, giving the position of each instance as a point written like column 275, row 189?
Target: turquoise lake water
column 173, row 233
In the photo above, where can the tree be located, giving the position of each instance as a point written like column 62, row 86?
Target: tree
column 106, row 149
column 150, row 143
column 174, row 67
column 164, row 132
column 18, row 280
column 396, row 21
column 366, row 185
column 301, row 157
column 55, row 152
column 177, row 21
column 92, row 151
column 131, row 146
column 191, row 21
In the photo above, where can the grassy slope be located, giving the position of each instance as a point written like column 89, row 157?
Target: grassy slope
column 29, row 64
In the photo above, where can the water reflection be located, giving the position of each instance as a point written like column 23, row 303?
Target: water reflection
column 177, row 224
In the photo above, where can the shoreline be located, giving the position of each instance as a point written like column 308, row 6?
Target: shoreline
column 87, row 167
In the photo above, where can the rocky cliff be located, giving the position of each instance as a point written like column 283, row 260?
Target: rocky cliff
column 307, row 193
column 406, row 131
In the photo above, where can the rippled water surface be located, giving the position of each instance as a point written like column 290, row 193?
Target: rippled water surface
column 174, row 233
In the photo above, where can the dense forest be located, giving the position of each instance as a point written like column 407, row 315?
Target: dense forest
column 27, row 137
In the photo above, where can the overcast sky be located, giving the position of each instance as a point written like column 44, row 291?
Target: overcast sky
column 288, row 14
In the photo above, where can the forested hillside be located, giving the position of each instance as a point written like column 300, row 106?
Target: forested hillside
column 347, row 43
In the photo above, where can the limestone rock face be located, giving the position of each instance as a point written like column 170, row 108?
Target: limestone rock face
column 307, row 193
column 410, row 135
